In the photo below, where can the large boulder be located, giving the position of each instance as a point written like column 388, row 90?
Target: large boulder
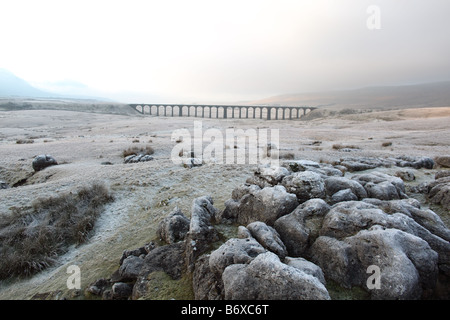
column 173, row 227
column 267, row 278
column 305, row 185
column 299, row 229
column 43, row 161
column 266, row 205
column 407, row 264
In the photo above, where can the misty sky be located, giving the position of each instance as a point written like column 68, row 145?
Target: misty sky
column 217, row 51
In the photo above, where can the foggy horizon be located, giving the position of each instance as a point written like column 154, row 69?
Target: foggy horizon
column 204, row 51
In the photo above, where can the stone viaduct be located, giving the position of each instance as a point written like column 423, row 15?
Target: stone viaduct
column 223, row 111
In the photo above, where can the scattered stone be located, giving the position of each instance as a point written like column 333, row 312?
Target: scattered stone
column 137, row 158
column 343, row 195
column 43, row 161
column 192, row 162
column 300, row 165
column 3, row 185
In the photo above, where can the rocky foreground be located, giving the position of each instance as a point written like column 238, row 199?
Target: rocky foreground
column 300, row 226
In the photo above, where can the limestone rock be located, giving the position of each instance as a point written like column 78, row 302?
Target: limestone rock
column 267, row 278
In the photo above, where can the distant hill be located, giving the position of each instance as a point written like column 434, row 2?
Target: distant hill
column 386, row 97
column 13, row 86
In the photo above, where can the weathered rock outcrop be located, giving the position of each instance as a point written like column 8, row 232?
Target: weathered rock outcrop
column 407, row 264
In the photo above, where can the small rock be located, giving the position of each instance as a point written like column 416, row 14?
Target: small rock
column 406, row 175
column 43, row 161
column 3, row 185
column 192, row 162
column 121, row 290
column 98, row 287
column 343, row 195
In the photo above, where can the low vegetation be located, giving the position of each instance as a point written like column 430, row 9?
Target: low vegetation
column 341, row 146
column 135, row 150
column 31, row 239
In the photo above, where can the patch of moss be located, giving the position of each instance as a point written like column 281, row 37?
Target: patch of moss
column 162, row 287
column 338, row 292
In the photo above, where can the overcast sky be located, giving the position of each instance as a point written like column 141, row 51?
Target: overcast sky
column 228, row 50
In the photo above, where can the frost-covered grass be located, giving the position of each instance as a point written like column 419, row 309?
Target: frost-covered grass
column 32, row 238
